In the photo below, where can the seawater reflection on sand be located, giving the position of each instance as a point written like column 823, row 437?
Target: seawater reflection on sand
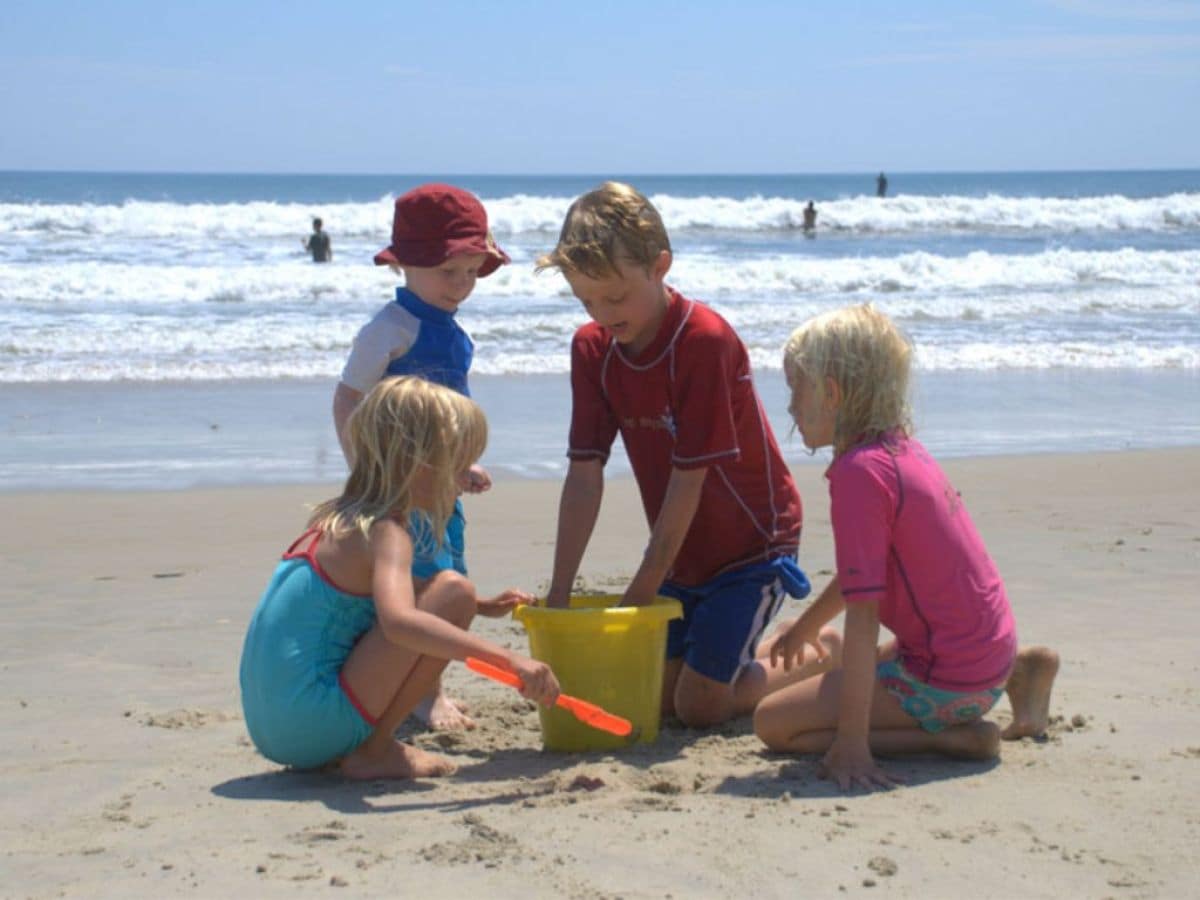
column 170, row 435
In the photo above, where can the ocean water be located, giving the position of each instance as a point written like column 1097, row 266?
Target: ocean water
column 161, row 290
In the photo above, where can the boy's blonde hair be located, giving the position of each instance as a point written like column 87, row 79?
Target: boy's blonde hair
column 613, row 222
column 401, row 426
column 868, row 358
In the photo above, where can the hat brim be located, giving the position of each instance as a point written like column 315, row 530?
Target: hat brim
column 428, row 254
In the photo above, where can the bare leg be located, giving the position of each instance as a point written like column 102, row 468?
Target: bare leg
column 389, row 680
column 975, row 740
column 437, row 710
column 802, row 718
column 670, row 678
column 701, row 702
column 1029, row 689
column 381, row 755
column 760, row 678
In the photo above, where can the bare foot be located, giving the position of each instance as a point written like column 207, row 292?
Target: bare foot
column 442, row 713
column 1029, row 689
column 395, row 760
column 977, row 740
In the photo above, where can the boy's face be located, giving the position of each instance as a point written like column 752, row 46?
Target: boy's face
column 630, row 302
column 447, row 285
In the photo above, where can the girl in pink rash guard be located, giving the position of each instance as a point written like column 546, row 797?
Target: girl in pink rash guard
column 908, row 558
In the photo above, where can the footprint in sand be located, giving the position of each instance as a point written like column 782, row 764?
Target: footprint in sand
column 322, row 834
column 186, row 718
column 883, row 866
column 664, row 786
column 484, row 844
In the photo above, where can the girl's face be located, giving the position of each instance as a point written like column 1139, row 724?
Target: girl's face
column 814, row 413
column 425, row 488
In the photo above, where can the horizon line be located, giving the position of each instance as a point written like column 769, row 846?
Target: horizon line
column 731, row 174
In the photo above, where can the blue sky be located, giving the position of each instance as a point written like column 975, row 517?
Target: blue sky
column 649, row 87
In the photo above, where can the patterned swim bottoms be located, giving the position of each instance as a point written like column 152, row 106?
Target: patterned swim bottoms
column 933, row 708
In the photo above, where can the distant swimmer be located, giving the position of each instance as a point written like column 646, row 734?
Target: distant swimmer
column 881, row 185
column 318, row 243
column 810, row 220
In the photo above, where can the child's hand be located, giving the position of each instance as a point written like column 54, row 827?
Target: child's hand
column 537, row 680
column 634, row 597
column 476, row 480
column 850, row 764
column 503, row 603
column 787, row 647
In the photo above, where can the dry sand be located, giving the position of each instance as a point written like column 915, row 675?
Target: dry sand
column 126, row 770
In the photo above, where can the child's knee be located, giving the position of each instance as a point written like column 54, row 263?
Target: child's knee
column 452, row 597
column 704, row 707
column 765, row 725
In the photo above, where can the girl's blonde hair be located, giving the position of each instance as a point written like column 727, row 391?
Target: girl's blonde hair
column 402, row 426
column 868, row 358
column 612, row 223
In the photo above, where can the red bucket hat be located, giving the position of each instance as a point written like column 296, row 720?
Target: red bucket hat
column 434, row 222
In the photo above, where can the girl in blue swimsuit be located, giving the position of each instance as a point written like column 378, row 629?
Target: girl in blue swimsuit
column 341, row 646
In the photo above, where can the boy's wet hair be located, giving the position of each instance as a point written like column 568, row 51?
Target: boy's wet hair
column 868, row 358
column 610, row 224
column 402, row 426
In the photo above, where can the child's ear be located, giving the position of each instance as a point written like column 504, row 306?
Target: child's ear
column 661, row 265
column 833, row 393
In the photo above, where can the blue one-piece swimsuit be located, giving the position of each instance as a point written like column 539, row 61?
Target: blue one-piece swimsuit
column 298, row 710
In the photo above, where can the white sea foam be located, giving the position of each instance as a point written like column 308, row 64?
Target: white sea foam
column 543, row 215
column 939, row 213
column 161, row 291
column 943, row 285
column 91, row 321
column 198, row 358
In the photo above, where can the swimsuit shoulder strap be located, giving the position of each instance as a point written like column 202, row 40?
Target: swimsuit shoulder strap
column 309, row 551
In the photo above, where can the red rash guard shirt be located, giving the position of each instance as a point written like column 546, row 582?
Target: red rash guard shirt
column 688, row 402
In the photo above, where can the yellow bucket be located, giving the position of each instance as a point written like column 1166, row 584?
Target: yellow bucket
column 609, row 656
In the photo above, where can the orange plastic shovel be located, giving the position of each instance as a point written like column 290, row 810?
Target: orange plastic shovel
column 588, row 713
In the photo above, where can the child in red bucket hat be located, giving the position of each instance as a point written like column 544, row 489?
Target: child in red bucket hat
column 435, row 222
column 441, row 245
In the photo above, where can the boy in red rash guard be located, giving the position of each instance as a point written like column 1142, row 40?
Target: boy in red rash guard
column 673, row 378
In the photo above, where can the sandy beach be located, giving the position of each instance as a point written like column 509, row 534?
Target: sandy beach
column 126, row 770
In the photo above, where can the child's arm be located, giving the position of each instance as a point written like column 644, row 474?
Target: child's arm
column 578, row 509
column 788, row 646
column 345, row 400
column 404, row 624
column 385, row 338
column 670, row 528
column 848, row 760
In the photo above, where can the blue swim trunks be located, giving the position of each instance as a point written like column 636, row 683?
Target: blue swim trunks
column 933, row 708
column 298, row 710
column 724, row 619
column 429, row 557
